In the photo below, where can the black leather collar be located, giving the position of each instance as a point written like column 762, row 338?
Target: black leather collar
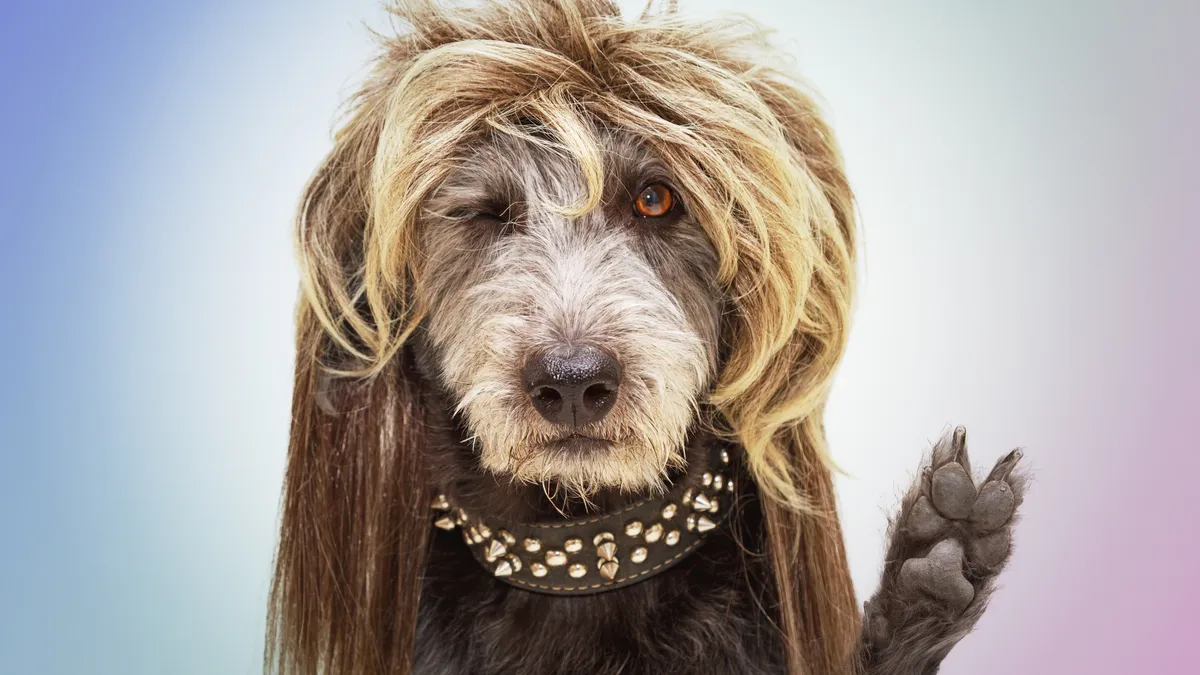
column 603, row 552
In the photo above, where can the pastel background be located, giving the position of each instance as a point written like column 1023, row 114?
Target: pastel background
column 1027, row 177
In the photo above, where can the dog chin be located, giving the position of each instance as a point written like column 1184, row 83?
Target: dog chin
column 584, row 466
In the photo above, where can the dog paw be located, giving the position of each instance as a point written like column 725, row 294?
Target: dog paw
column 956, row 534
column 950, row 540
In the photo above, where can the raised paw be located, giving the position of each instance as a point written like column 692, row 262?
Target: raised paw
column 951, row 538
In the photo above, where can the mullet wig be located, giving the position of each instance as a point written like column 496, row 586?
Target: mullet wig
column 762, row 173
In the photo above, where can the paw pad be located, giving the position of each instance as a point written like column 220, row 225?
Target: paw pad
column 940, row 575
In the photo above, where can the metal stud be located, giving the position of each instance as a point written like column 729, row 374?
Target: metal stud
column 476, row 535
column 484, row 531
column 704, row 524
column 714, row 505
column 602, row 537
column 707, row 479
column 633, row 528
column 503, row 569
column 729, row 486
column 446, row 523
column 441, row 503
column 668, row 511
column 467, row 536
column 462, row 516
column 718, row 482
column 607, row 550
column 687, row 496
column 514, row 561
column 701, row 502
column 638, row 555
column 533, row 545
column 672, row 538
column 495, row 550
column 654, row 533
column 691, row 522
column 556, row 558
column 724, row 457
column 608, row 568
column 577, row 570
column 509, row 540
column 574, row 545
column 538, row 569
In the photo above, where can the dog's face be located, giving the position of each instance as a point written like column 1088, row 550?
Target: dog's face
column 576, row 347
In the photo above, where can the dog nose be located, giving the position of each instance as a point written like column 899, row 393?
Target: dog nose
column 572, row 386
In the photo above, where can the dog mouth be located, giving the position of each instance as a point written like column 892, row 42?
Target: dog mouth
column 579, row 443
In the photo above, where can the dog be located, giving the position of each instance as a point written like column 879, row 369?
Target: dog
column 574, row 287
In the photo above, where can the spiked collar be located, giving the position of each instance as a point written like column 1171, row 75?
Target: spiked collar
column 602, row 552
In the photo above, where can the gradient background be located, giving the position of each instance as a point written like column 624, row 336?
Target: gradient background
column 1026, row 174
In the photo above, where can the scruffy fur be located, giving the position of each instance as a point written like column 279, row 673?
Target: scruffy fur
column 476, row 214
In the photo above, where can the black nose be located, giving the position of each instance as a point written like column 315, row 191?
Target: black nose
column 572, row 385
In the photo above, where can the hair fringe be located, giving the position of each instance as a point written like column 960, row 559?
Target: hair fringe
column 709, row 101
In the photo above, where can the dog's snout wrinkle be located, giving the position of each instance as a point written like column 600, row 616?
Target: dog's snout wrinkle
column 572, row 386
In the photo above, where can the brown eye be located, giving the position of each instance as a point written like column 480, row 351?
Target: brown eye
column 654, row 201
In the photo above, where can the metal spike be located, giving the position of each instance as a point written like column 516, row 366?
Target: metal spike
column 607, row 550
column 633, row 528
column 556, row 558
column 533, row 545
column 602, row 537
column 638, row 555
column 441, row 503
column 573, row 545
column 701, row 502
column 608, row 568
column 672, row 538
column 538, row 569
column 503, row 569
column 654, row 533
column 577, row 570
column 704, row 524
column 446, row 523
column 668, row 511
column 495, row 550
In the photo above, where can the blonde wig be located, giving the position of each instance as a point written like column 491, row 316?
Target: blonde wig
column 763, row 176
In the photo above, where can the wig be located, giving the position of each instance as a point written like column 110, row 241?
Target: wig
column 763, row 176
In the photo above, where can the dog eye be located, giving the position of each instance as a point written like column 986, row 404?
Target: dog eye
column 485, row 215
column 654, row 201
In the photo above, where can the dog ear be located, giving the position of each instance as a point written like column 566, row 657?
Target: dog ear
column 354, row 513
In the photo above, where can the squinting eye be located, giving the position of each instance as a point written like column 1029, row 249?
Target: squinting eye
column 654, row 201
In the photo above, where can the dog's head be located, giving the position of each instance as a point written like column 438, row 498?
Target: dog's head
column 594, row 233
column 574, row 326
